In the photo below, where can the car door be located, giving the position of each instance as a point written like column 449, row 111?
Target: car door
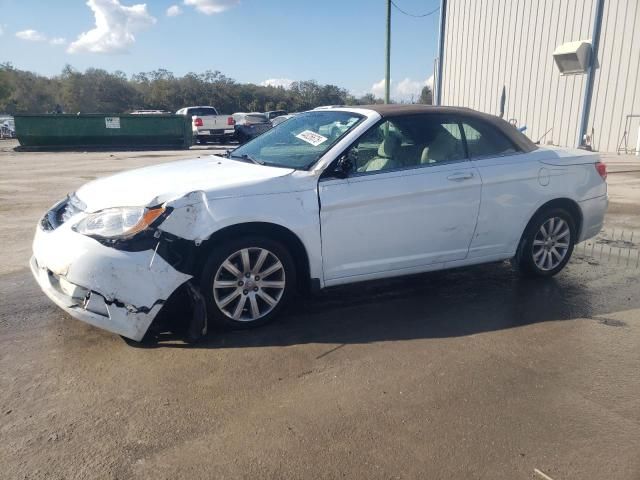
column 511, row 189
column 411, row 202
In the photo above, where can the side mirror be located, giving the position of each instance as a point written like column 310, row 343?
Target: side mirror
column 345, row 164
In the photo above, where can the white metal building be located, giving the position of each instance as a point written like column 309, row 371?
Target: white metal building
column 490, row 45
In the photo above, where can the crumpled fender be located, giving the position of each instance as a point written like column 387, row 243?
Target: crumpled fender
column 195, row 217
column 191, row 218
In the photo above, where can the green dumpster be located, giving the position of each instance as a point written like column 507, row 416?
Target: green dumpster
column 103, row 131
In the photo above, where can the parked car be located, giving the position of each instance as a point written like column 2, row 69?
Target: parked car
column 402, row 190
column 208, row 125
column 250, row 125
column 275, row 113
column 278, row 120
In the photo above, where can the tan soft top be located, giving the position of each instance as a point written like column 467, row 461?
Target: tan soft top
column 396, row 110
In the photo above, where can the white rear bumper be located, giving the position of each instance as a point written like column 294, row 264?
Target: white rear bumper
column 218, row 133
column 593, row 212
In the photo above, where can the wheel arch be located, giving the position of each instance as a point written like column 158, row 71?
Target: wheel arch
column 270, row 230
column 567, row 204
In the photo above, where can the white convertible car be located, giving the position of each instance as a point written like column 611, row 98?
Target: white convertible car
column 395, row 190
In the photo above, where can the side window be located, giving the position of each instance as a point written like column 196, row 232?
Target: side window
column 486, row 141
column 443, row 144
column 379, row 149
column 409, row 142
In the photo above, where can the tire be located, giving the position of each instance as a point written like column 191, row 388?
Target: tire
column 224, row 289
column 544, row 256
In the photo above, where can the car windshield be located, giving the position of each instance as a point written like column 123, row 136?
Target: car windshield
column 299, row 142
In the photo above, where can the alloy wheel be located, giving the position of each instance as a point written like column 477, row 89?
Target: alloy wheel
column 551, row 243
column 249, row 284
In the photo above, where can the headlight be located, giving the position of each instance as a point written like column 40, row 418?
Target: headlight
column 118, row 222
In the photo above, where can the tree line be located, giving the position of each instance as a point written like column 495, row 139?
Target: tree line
column 98, row 91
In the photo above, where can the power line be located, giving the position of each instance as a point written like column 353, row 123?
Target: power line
column 412, row 14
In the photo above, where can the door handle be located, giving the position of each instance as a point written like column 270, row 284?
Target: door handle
column 460, row 176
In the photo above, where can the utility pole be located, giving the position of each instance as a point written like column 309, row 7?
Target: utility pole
column 387, row 82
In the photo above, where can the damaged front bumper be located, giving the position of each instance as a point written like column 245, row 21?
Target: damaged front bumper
column 116, row 290
column 92, row 308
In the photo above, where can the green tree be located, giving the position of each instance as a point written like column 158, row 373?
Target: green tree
column 99, row 91
column 368, row 99
column 6, row 86
column 426, row 96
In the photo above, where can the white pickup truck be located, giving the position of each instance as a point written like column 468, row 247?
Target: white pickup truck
column 207, row 125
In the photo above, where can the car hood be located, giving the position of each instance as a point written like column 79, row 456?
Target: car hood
column 216, row 176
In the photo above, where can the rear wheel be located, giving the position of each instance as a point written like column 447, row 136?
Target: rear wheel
column 547, row 243
column 247, row 282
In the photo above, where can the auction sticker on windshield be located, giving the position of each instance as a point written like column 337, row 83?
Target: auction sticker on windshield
column 313, row 138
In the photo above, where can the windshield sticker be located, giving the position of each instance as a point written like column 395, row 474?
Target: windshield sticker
column 313, row 138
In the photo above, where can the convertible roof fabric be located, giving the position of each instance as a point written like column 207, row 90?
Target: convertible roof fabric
column 396, row 110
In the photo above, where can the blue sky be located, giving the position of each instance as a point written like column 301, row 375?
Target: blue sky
column 331, row 41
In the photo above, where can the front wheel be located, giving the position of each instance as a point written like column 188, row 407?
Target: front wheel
column 247, row 282
column 547, row 243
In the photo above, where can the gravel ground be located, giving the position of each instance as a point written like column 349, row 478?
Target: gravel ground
column 472, row 373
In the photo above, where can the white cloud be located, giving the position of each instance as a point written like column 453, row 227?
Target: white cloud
column 115, row 27
column 174, row 11
column 209, row 7
column 430, row 81
column 1, row 30
column 35, row 36
column 277, row 82
column 378, row 89
column 31, row 36
column 407, row 89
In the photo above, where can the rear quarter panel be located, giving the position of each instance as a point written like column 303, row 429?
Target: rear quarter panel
column 514, row 187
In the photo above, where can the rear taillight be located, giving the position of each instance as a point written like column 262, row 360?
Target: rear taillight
column 230, row 121
column 602, row 169
column 198, row 122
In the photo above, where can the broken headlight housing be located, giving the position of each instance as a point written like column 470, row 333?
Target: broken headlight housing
column 118, row 222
